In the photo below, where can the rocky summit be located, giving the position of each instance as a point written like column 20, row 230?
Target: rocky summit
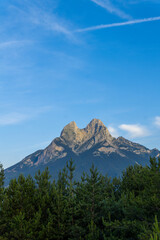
column 93, row 144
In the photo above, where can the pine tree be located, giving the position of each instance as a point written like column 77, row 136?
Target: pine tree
column 57, row 227
column 89, row 198
column 42, row 200
column 156, row 230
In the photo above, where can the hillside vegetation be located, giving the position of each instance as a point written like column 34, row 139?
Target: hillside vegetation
column 95, row 208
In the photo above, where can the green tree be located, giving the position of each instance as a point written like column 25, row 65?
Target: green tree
column 89, row 196
column 57, row 227
column 1, row 185
column 156, row 230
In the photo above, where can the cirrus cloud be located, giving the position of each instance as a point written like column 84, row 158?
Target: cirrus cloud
column 15, row 43
column 107, row 4
column 157, row 121
column 113, row 131
column 12, row 118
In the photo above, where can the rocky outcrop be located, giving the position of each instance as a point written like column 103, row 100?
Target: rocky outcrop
column 91, row 144
column 83, row 139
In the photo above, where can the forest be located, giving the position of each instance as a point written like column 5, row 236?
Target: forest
column 95, row 207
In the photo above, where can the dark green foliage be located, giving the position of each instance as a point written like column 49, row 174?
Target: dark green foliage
column 156, row 230
column 95, row 208
column 1, row 184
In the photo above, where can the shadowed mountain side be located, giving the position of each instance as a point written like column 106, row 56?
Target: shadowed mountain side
column 93, row 144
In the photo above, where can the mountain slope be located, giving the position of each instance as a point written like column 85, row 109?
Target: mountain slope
column 93, row 144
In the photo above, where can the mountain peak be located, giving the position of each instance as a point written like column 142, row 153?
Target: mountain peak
column 94, row 132
column 96, row 121
column 71, row 133
column 96, row 127
column 90, row 144
column 70, row 127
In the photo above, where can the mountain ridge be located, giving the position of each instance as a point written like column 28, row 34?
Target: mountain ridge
column 93, row 143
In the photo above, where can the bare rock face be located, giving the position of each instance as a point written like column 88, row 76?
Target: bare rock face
column 98, row 130
column 81, row 140
column 72, row 135
column 93, row 143
column 77, row 140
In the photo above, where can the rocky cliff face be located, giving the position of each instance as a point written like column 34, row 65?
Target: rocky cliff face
column 91, row 144
column 80, row 140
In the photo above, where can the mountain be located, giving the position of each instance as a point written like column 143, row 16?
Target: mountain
column 93, row 144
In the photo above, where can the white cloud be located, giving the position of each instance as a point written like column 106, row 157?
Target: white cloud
column 16, row 117
column 134, row 130
column 42, row 17
column 15, row 43
column 50, row 22
column 113, row 131
column 106, row 4
column 118, row 24
column 157, row 121
column 12, row 118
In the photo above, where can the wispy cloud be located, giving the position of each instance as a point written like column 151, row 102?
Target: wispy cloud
column 16, row 43
column 50, row 22
column 45, row 18
column 103, row 26
column 157, row 121
column 135, row 130
column 12, row 119
column 106, row 4
column 113, row 131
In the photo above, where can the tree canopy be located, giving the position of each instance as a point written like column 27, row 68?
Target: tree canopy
column 93, row 208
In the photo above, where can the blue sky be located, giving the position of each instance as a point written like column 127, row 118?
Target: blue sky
column 76, row 60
